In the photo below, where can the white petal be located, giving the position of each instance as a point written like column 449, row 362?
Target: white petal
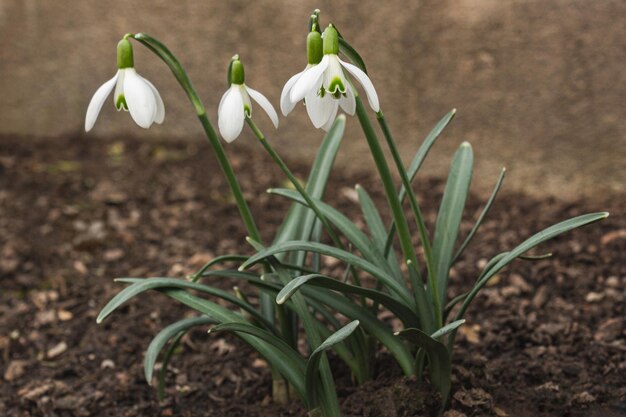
column 140, row 99
column 286, row 105
column 347, row 103
column 265, row 104
column 309, row 80
column 95, row 105
column 230, row 116
column 362, row 77
column 160, row 111
column 331, row 119
column 319, row 108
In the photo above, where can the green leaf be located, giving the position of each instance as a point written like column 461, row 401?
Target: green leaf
column 449, row 216
column 429, row 141
column 347, row 257
column 312, row 382
column 268, row 351
column 369, row 322
column 438, row 358
column 139, row 286
column 347, row 228
column 447, row 328
column 488, row 205
column 528, row 244
column 400, row 310
column 295, row 360
column 377, row 229
column 217, row 261
column 299, row 222
column 346, row 49
column 161, row 339
column 416, row 164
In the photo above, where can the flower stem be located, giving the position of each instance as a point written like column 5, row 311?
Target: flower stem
column 278, row 160
column 181, row 75
column 402, row 227
column 432, row 279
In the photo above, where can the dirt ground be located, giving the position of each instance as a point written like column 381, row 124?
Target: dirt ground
column 545, row 338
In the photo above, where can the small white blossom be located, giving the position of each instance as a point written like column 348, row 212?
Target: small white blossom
column 236, row 105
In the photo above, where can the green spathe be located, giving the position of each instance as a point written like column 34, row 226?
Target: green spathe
column 125, row 54
column 236, row 72
column 314, row 47
column 331, row 40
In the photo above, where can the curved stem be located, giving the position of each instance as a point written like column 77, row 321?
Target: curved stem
column 281, row 164
column 432, row 279
column 183, row 79
column 402, row 227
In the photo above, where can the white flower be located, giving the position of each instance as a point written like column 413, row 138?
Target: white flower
column 325, row 87
column 134, row 94
column 321, row 108
column 235, row 105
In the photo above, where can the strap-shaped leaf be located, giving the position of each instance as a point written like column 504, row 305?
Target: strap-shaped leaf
column 447, row 328
column 161, row 339
column 416, row 164
column 217, row 261
column 400, row 310
column 370, row 323
column 141, row 285
column 450, row 214
column 347, row 257
column 528, row 244
column 377, row 229
column 224, row 315
column 481, row 217
column 299, row 221
column 282, row 348
column 438, row 358
column 312, row 382
column 347, row 228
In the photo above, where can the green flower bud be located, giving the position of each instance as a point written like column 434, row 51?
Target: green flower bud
column 331, row 40
column 236, row 74
column 125, row 54
column 314, row 47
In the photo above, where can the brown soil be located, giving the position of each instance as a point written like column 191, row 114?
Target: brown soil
column 545, row 339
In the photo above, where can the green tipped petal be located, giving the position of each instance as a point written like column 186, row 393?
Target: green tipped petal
column 125, row 54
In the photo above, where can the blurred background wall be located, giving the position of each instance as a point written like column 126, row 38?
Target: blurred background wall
column 540, row 85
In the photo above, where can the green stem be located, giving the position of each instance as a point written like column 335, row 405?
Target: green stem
column 181, row 75
column 402, row 228
column 432, row 279
column 281, row 164
column 278, row 160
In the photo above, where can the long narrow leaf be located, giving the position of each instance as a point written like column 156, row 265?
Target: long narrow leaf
column 528, row 244
column 312, row 383
column 400, row 310
column 450, row 214
column 160, row 340
column 347, row 257
column 347, row 228
column 438, row 358
column 156, row 283
column 370, row 323
column 481, row 217
column 377, row 229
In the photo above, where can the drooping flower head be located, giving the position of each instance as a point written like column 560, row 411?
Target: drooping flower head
column 325, row 87
column 133, row 93
column 235, row 104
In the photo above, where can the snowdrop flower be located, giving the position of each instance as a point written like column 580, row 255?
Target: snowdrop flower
column 328, row 82
column 316, row 104
column 235, row 104
column 133, row 93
